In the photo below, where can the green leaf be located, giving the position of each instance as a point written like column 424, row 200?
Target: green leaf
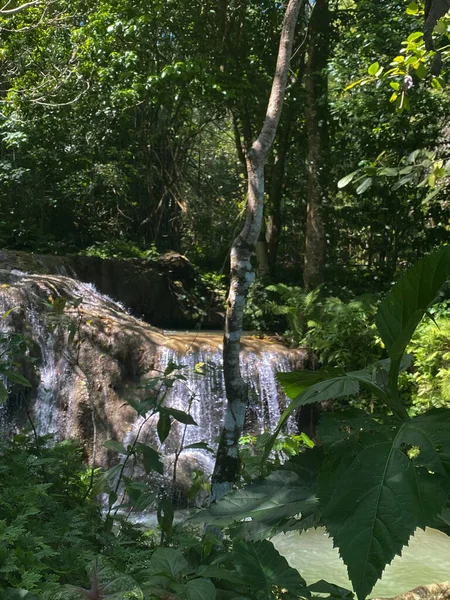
column 412, row 8
column 365, row 185
column 342, row 183
column 220, row 573
column 265, row 570
column 431, row 433
column 15, row 377
column 333, row 591
column 165, row 515
column 414, row 36
column 404, row 306
column 178, row 415
column 374, row 501
column 200, row 589
column 281, row 494
column 151, row 459
column 373, row 69
column 199, row 445
column 115, row 446
column 110, row 583
column 388, row 172
column 168, row 561
column 164, row 426
column 296, row 382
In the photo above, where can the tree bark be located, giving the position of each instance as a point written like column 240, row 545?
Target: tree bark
column 241, row 274
column 434, row 10
column 316, row 114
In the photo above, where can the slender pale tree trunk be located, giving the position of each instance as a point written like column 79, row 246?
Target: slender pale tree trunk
column 241, row 274
column 316, row 115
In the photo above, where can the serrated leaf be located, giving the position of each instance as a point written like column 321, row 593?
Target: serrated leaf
column 375, row 502
column 168, row 561
column 281, row 494
column 431, row 433
column 108, row 584
column 404, row 306
column 115, row 446
column 200, row 589
column 164, row 426
column 265, row 570
column 342, row 183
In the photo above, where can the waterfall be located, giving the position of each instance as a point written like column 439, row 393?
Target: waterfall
column 83, row 378
column 201, row 393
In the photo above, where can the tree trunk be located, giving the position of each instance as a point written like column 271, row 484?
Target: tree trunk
column 290, row 117
column 316, row 114
column 241, row 275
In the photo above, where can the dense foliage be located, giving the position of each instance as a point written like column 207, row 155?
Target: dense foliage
column 124, row 129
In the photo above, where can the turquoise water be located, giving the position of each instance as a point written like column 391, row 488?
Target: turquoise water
column 426, row 560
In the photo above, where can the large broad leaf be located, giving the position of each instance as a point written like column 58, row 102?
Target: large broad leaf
column 200, row 589
column 407, row 302
column 374, row 502
column 281, row 494
column 107, row 583
column 168, row 561
column 430, row 434
column 265, row 570
column 178, row 415
column 296, row 382
column 220, row 573
column 333, row 591
column 346, row 426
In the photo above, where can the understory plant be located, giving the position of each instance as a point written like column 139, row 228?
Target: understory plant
column 338, row 333
column 370, row 481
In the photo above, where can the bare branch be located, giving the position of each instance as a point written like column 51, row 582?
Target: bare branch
column 13, row 11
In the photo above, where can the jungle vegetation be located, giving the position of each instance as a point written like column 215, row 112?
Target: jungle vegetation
column 129, row 129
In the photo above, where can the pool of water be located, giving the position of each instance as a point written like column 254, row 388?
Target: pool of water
column 426, row 560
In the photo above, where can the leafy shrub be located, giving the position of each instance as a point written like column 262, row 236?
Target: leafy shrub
column 48, row 527
column 339, row 333
column 343, row 334
column 121, row 249
column 429, row 378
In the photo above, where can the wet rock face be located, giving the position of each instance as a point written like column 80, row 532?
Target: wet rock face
column 166, row 292
column 92, row 356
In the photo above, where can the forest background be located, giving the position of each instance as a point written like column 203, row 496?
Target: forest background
column 124, row 129
column 124, row 133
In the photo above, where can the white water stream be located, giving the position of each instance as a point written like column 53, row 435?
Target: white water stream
column 426, row 560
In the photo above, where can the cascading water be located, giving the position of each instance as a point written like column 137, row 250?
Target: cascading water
column 85, row 377
column 201, row 393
